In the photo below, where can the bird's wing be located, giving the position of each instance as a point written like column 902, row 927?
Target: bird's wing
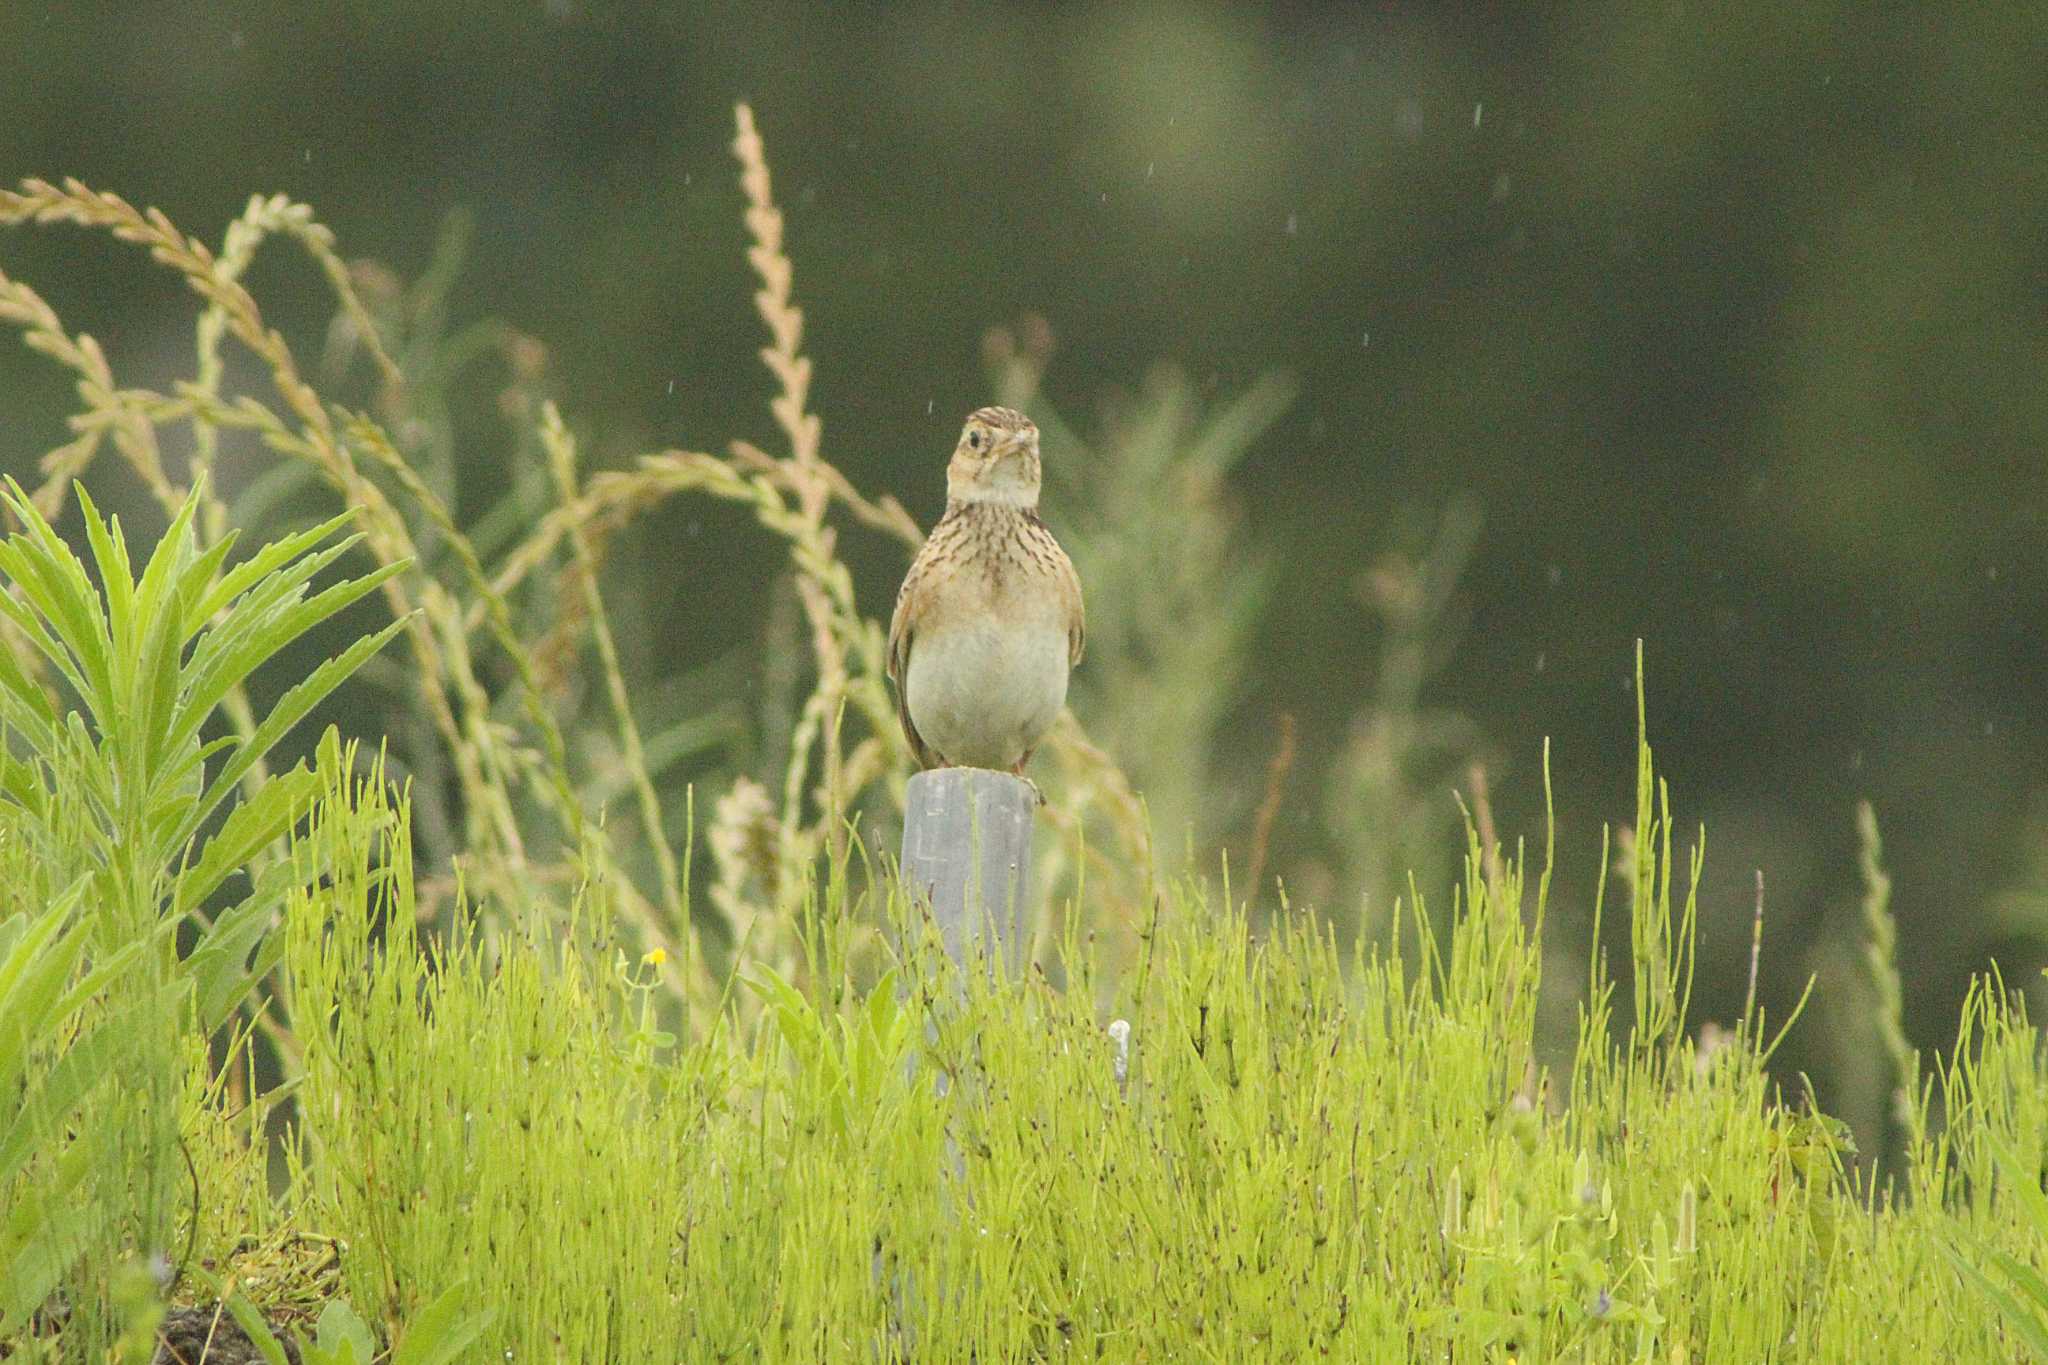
column 901, row 633
column 1077, row 612
column 1044, row 548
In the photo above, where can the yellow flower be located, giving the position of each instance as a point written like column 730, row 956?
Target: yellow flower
column 656, row 957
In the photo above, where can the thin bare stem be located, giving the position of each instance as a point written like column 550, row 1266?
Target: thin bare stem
column 1269, row 806
column 1756, row 949
column 561, row 448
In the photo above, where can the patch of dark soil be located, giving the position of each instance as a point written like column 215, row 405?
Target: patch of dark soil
column 206, row 1336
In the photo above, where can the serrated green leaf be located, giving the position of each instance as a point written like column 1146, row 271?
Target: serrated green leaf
column 217, row 666
column 251, row 827
column 238, row 950
column 56, row 584
column 159, row 587
column 148, row 721
column 117, row 583
column 222, row 970
column 30, row 994
column 29, row 617
column 22, row 782
column 184, row 779
column 291, row 708
column 245, row 575
column 84, row 1065
column 25, row 707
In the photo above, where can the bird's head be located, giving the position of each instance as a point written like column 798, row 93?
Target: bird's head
column 996, row 460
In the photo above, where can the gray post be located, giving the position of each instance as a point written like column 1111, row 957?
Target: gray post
column 967, row 852
column 966, row 855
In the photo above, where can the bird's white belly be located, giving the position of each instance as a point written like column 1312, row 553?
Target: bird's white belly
column 981, row 695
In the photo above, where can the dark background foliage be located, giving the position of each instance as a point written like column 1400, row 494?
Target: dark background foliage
column 1728, row 318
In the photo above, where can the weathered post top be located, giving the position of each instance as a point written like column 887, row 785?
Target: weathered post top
column 967, row 852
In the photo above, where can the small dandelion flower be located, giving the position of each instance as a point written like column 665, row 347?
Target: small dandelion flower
column 655, row 958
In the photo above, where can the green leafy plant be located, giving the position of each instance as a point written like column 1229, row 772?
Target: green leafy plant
column 148, row 664
column 43, row 987
column 440, row 1334
column 120, row 826
column 850, row 1065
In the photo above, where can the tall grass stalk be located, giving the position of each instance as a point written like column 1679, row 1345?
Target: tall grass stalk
column 1881, row 956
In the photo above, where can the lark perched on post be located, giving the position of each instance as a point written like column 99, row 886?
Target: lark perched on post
column 989, row 618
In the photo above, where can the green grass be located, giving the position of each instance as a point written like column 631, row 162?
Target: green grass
column 1304, row 1158
column 1306, row 1155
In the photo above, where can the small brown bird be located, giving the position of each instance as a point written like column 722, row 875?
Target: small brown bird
column 989, row 619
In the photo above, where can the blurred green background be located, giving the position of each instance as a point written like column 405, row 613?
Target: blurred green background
column 1727, row 320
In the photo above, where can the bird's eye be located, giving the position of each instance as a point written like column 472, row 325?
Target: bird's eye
column 974, row 440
